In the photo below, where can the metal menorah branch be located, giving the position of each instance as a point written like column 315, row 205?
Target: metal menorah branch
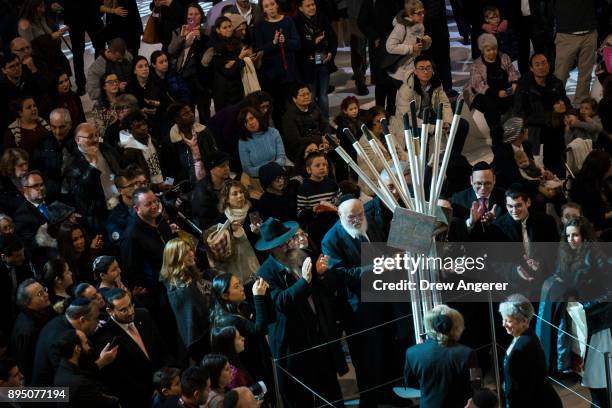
column 415, row 201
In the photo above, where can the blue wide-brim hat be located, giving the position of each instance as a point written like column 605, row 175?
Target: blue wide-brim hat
column 275, row 233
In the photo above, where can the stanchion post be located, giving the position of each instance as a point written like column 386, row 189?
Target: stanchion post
column 279, row 401
column 607, row 357
column 494, row 343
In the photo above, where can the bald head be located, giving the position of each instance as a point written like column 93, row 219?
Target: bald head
column 21, row 47
column 60, row 122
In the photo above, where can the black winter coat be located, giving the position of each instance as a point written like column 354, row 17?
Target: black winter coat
column 24, row 336
column 300, row 126
column 227, row 86
column 309, row 29
column 86, row 189
column 48, row 158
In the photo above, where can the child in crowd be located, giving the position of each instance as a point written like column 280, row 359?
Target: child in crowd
column 167, row 383
column 229, row 342
column 317, row 197
column 106, row 269
column 278, row 200
column 351, row 118
column 584, row 124
column 494, row 24
column 550, row 185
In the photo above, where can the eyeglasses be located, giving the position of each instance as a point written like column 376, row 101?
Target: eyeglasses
column 112, row 82
column 42, row 292
column 13, row 66
column 425, row 69
column 37, row 186
column 419, row 13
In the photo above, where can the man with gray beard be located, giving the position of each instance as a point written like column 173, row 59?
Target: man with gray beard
column 373, row 352
column 303, row 317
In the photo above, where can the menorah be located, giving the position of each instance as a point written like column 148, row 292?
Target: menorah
column 410, row 209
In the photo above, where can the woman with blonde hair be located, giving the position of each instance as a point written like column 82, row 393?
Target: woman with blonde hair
column 440, row 366
column 188, row 294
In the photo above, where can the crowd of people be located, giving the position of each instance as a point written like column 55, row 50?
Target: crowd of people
column 194, row 239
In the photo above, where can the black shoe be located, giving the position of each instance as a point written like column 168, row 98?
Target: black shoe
column 331, row 89
column 362, row 90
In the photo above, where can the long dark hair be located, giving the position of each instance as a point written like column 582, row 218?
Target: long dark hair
column 222, row 341
column 214, row 363
column 569, row 259
column 53, row 269
column 103, row 98
column 65, row 245
column 594, row 168
column 222, row 307
column 242, row 115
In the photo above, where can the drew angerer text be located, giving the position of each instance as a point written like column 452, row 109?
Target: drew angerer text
column 406, row 285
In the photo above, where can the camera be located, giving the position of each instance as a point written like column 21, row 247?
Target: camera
column 259, row 389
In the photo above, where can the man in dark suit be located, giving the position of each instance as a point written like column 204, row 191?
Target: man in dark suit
column 304, row 316
column 140, row 350
column 82, row 314
column 372, row 352
column 521, row 225
column 76, row 372
column 33, row 211
column 476, row 207
column 33, row 300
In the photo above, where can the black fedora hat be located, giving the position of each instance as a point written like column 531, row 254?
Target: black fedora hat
column 275, row 233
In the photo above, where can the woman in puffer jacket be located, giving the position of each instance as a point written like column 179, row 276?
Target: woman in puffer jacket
column 408, row 39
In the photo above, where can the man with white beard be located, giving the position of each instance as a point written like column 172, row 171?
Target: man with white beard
column 373, row 352
column 303, row 316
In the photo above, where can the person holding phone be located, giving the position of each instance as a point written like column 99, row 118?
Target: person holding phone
column 233, row 250
column 189, row 41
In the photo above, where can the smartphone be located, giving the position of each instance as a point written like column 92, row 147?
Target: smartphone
column 509, row 91
column 190, row 24
column 255, row 218
column 114, row 342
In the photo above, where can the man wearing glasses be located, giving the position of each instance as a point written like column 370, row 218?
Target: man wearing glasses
column 33, row 300
column 33, row 211
column 128, row 180
column 15, row 83
column 90, row 176
column 425, row 87
column 476, row 207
